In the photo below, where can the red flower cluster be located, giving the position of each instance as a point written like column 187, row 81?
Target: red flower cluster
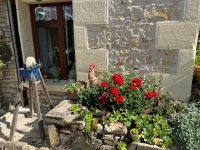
column 137, row 82
column 151, row 95
column 118, row 79
column 114, row 91
column 104, row 98
column 104, row 84
column 119, row 100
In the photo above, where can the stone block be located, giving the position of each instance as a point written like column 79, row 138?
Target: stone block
column 107, row 147
column 53, row 135
column 180, row 84
column 20, row 146
column 80, row 36
column 85, row 58
column 2, row 143
column 82, row 76
column 90, row 11
column 176, row 35
column 192, row 10
column 9, row 145
column 116, row 128
column 143, row 146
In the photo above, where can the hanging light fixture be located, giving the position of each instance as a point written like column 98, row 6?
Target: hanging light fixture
column 39, row 11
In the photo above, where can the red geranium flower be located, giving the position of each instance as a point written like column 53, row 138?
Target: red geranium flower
column 150, row 95
column 119, row 100
column 137, row 82
column 104, row 84
column 104, row 98
column 118, row 79
column 133, row 87
column 114, row 91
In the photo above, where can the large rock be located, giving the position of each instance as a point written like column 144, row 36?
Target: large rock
column 116, row 128
column 61, row 115
column 107, row 147
column 54, row 137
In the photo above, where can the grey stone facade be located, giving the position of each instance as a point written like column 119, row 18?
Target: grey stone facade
column 8, row 85
column 156, row 36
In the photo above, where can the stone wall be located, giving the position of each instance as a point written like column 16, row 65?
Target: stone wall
column 66, row 131
column 156, row 36
column 8, row 85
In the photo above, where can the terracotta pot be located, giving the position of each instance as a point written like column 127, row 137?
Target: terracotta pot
column 197, row 72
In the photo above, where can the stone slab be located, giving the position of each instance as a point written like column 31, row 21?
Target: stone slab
column 176, row 35
column 61, row 115
column 90, row 11
column 85, row 58
column 80, row 36
column 192, row 10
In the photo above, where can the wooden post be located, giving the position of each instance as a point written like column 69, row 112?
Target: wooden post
column 45, row 90
column 16, row 111
column 31, row 98
column 39, row 115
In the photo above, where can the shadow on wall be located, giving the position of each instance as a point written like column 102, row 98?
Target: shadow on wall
column 181, row 83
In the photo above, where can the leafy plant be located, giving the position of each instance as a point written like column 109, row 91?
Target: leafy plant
column 135, row 131
column 5, row 54
column 187, row 128
column 88, row 118
column 73, row 87
column 154, row 127
column 121, row 145
column 197, row 60
column 75, row 108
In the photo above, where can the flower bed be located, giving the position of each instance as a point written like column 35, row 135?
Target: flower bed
column 68, row 131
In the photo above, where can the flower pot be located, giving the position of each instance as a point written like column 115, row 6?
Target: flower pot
column 72, row 96
column 197, row 72
column 136, row 138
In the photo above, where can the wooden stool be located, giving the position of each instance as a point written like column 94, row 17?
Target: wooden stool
column 34, row 76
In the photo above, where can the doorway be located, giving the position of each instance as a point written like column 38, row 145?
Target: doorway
column 53, row 36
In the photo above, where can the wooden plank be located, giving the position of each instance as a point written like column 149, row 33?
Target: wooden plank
column 16, row 111
column 38, row 110
column 45, row 90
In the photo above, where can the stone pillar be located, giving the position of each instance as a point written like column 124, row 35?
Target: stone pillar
column 25, row 29
column 87, row 12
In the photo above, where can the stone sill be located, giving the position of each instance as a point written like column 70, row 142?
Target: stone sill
column 51, row 86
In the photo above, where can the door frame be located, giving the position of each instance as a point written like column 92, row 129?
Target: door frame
column 61, row 36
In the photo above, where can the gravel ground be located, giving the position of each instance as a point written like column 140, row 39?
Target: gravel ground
column 26, row 130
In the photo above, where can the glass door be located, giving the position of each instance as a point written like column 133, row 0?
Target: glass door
column 53, row 40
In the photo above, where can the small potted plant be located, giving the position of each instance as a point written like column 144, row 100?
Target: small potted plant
column 73, row 90
column 135, row 135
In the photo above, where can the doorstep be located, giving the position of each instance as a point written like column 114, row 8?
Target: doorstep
column 51, row 85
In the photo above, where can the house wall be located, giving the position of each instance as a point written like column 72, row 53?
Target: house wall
column 8, row 85
column 156, row 36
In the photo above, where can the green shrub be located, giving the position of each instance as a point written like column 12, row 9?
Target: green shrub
column 187, row 128
column 197, row 60
column 5, row 54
